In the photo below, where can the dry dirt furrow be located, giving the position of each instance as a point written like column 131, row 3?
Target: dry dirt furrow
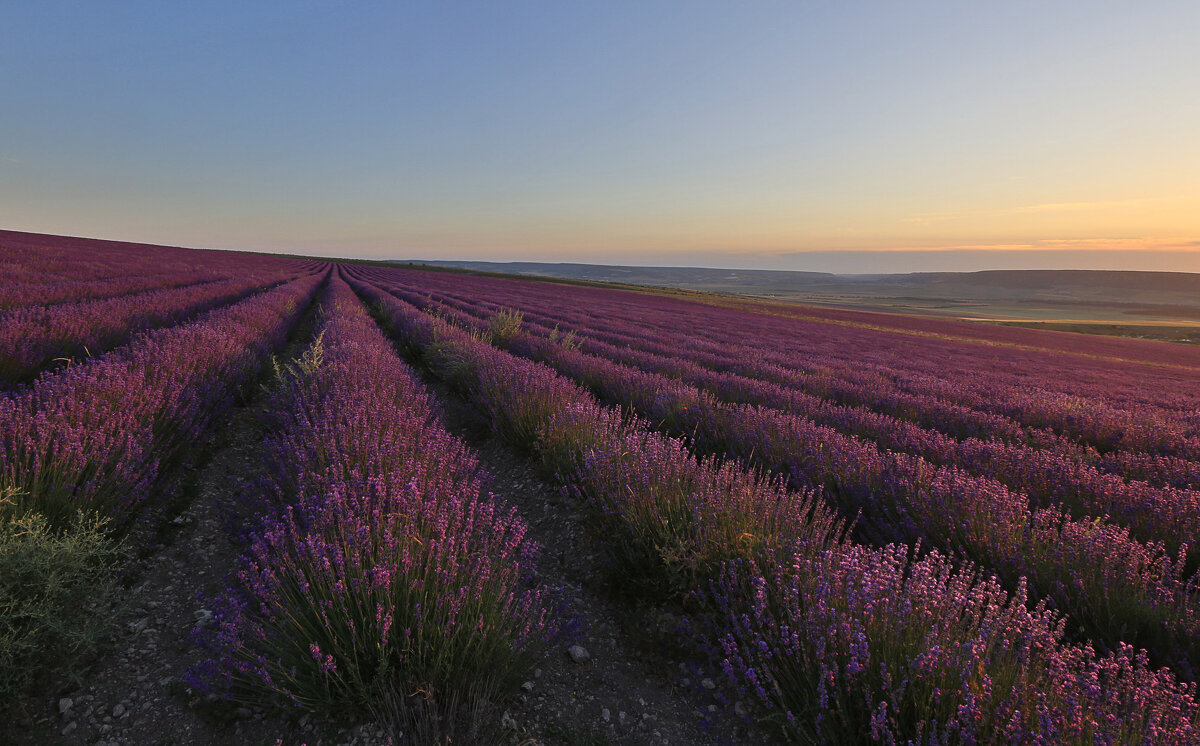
column 135, row 694
column 636, row 686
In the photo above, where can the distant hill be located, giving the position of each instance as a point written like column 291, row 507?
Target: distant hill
column 1162, row 305
column 690, row 277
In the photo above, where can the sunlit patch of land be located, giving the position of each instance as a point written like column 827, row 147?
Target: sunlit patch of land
column 1166, row 323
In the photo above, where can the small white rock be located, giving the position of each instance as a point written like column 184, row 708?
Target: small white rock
column 578, row 654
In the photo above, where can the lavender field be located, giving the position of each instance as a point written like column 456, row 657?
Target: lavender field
column 818, row 525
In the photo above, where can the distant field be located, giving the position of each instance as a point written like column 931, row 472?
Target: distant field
column 1150, row 305
column 1165, row 323
column 1180, row 332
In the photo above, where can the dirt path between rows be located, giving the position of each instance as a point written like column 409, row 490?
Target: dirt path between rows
column 636, row 686
column 135, row 693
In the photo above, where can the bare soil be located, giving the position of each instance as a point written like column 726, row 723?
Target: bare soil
column 135, row 694
column 639, row 685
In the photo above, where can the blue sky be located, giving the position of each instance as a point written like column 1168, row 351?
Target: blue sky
column 928, row 134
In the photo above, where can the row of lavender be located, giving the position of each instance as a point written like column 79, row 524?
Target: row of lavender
column 382, row 576
column 97, row 436
column 1032, row 339
column 1132, row 376
column 34, row 336
column 612, row 328
column 1058, row 475
column 1116, row 588
column 53, row 292
column 954, row 387
column 850, row 643
column 841, row 404
column 1131, row 407
column 87, row 454
column 992, row 442
column 40, row 270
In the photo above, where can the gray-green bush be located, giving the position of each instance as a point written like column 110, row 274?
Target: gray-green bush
column 55, row 588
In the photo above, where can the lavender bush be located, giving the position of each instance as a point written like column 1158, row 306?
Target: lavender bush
column 856, row 645
column 384, row 577
column 96, row 436
column 34, row 336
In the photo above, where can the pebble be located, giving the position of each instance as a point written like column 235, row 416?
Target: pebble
column 605, row 715
column 70, row 727
column 708, row 684
column 527, row 686
column 64, row 706
column 118, row 710
column 578, row 654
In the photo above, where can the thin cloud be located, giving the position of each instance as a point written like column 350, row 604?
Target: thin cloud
column 936, row 217
column 1080, row 206
column 1044, row 207
column 1050, row 244
column 1169, row 243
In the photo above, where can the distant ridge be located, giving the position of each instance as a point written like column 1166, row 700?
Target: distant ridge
column 666, row 276
column 1130, row 300
column 1008, row 280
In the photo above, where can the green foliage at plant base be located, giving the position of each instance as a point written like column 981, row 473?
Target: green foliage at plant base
column 54, row 592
